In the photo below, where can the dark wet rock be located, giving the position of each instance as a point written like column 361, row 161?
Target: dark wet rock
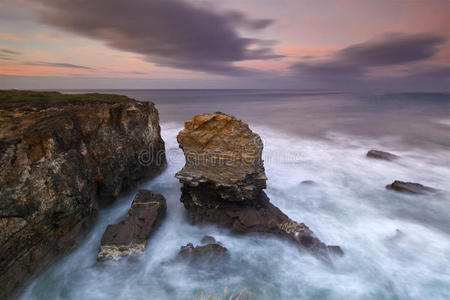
column 336, row 250
column 130, row 236
column 60, row 155
column 207, row 239
column 203, row 255
column 223, row 181
column 410, row 187
column 381, row 155
column 308, row 182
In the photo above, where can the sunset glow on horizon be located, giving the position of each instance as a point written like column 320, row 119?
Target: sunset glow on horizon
column 232, row 44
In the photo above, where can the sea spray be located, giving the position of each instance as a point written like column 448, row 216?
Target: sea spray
column 347, row 206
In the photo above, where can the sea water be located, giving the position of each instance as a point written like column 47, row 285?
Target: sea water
column 397, row 246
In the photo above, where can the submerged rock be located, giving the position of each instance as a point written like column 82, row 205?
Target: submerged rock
column 410, row 187
column 399, row 235
column 60, row 155
column 336, row 250
column 207, row 239
column 208, row 254
column 381, row 155
column 308, row 182
column 223, row 181
column 130, row 236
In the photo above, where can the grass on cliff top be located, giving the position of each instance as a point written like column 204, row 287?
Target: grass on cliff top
column 17, row 98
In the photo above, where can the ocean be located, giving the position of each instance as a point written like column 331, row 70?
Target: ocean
column 397, row 246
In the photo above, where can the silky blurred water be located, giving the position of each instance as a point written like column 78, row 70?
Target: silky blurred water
column 397, row 246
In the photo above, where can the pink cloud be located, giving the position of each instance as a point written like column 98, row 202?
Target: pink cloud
column 10, row 36
column 48, row 36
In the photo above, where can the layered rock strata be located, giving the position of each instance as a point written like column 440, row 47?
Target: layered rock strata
column 60, row 155
column 223, row 181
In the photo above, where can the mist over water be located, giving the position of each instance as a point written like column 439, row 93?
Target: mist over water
column 397, row 246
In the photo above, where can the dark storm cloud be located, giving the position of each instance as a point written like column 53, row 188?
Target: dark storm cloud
column 7, row 51
column 356, row 60
column 56, row 64
column 393, row 49
column 170, row 33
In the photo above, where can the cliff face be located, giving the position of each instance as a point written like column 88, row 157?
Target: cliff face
column 61, row 155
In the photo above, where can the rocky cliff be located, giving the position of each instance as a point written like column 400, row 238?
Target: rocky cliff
column 61, row 155
column 223, row 181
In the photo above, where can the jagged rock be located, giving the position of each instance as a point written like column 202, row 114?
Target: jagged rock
column 130, row 236
column 410, row 187
column 381, row 155
column 223, row 181
column 60, row 155
column 206, row 255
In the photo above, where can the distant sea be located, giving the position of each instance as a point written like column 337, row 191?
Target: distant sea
column 397, row 246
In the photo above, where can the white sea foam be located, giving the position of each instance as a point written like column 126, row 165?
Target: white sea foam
column 349, row 206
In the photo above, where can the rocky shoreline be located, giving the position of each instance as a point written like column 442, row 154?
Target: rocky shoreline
column 62, row 155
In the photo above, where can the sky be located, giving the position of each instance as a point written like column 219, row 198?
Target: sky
column 387, row 45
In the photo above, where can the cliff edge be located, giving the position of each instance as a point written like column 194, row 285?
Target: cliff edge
column 60, row 156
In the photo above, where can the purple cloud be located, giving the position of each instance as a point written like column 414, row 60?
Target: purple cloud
column 170, row 33
column 393, row 49
column 56, row 64
column 356, row 60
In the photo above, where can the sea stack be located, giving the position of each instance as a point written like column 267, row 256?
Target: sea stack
column 224, row 178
